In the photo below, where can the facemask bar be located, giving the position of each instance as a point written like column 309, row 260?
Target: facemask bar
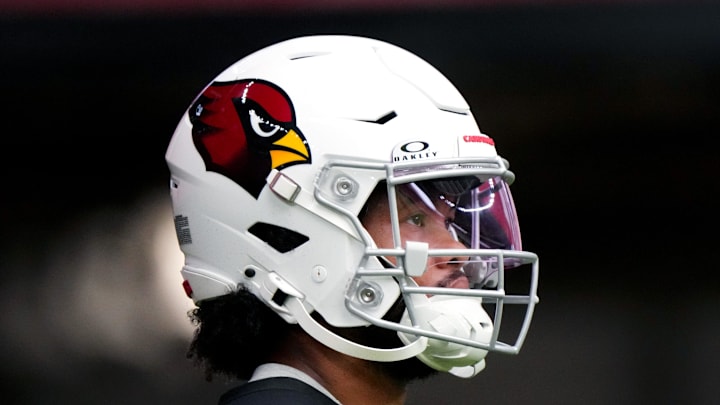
column 484, row 259
column 497, row 296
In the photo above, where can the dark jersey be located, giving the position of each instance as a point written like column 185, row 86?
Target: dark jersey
column 275, row 391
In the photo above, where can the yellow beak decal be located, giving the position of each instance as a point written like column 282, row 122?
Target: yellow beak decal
column 289, row 149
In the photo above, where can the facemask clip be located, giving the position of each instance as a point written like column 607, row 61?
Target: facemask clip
column 415, row 260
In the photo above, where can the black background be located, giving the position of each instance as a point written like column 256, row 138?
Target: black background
column 608, row 114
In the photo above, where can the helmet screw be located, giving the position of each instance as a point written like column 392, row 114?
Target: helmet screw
column 344, row 186
column 249, row 273
column 367, row 294
column 319, row 274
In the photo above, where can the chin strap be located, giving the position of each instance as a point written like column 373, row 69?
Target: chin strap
column 342, row 345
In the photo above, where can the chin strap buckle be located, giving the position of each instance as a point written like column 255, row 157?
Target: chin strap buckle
column 275, row 292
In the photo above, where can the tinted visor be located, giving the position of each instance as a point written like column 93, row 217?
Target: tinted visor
column 483, row 213
column 462, row 212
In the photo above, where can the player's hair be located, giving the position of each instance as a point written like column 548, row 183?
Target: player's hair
column 234, row 334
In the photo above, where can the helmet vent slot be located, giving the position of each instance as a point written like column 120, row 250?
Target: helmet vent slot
column 450, row 110
column 384, row 119
column 281, row 239
column 307, row 55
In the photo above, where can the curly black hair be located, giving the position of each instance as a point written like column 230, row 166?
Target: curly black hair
column 234, row 334
column 237, row 332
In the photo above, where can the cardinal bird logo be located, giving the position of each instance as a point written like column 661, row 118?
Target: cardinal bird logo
column 245, row 128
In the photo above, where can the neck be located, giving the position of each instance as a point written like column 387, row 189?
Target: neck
column 350, row 380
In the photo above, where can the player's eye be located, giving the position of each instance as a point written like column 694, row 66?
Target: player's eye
column 416, row 219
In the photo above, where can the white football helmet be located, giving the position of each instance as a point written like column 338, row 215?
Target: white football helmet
column 272, row 166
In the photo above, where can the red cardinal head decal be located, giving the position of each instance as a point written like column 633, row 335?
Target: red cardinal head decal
column 245, row 128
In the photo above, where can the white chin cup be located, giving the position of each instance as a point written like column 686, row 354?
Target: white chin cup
column 460, row 317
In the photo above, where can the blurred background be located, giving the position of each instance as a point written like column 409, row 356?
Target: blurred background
column 608, row 112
